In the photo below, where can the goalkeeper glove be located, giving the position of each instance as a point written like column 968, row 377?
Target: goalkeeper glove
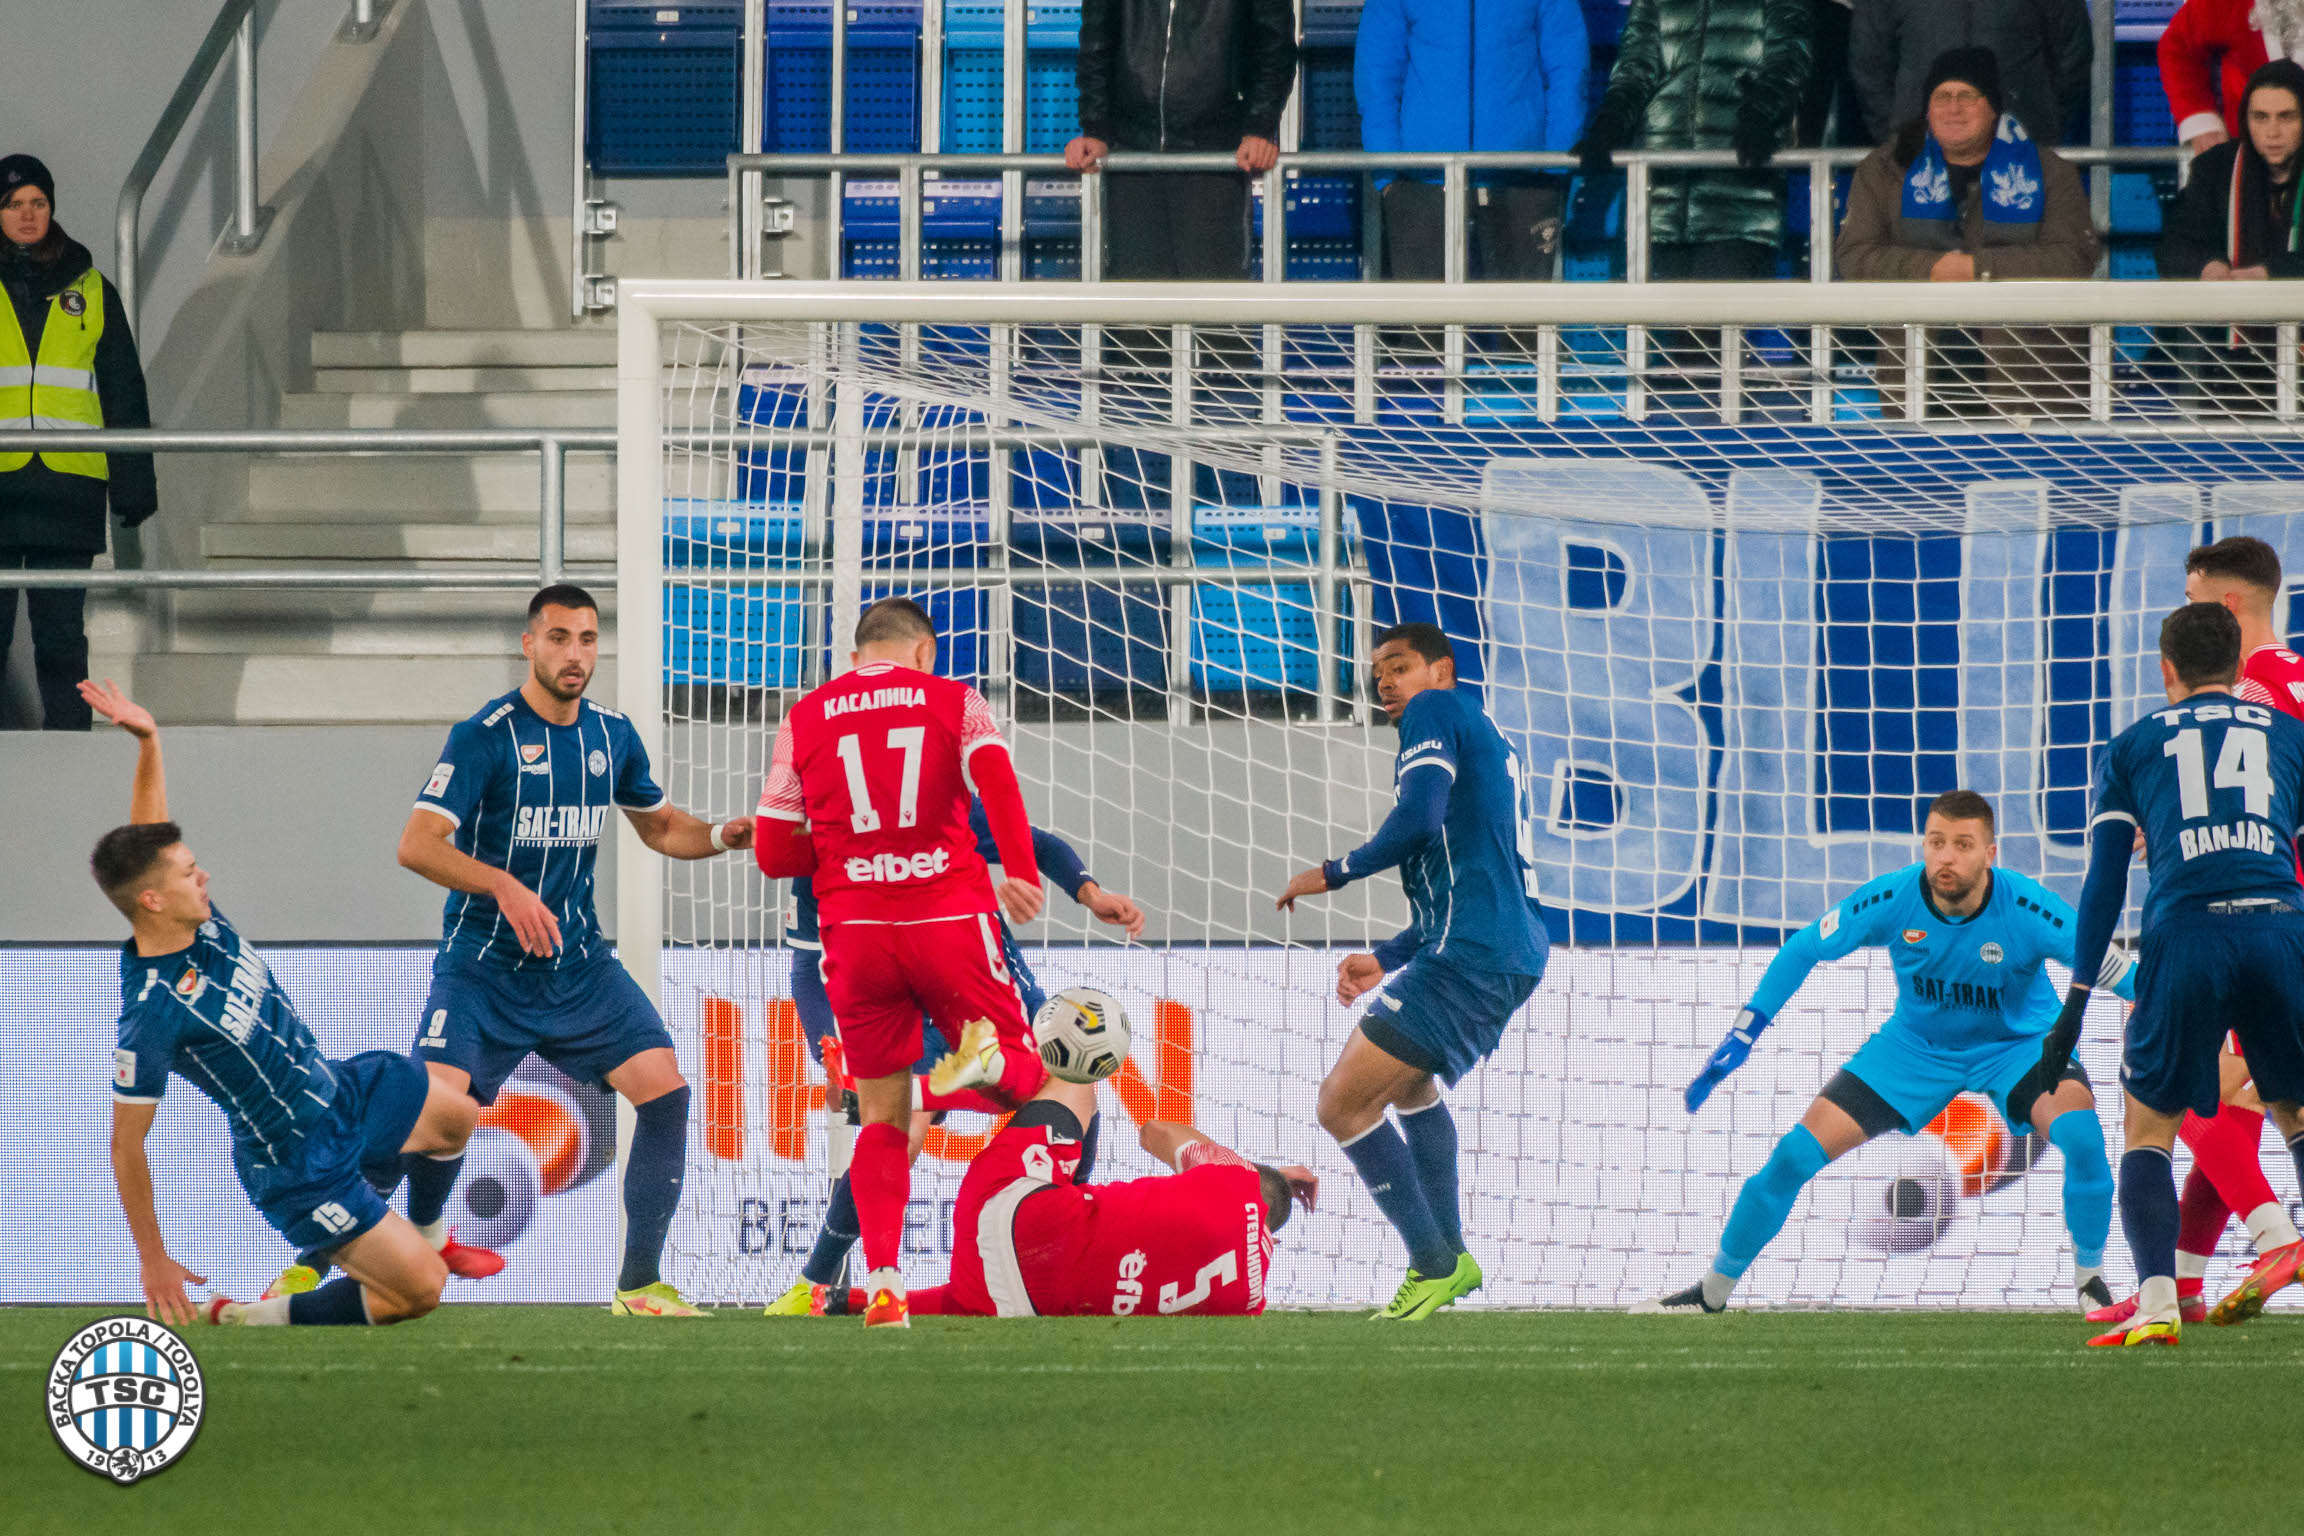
column 1726, row 1058
column 2056, row 1049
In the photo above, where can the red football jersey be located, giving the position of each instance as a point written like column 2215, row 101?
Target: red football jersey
column 2274, row 675
column 876, row 761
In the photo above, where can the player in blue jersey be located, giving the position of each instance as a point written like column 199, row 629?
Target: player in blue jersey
column 2216, row 786
column 1967, row 941
column 510, row 822
column 317, row 1144
column 822, row 1289
column 1444, row 987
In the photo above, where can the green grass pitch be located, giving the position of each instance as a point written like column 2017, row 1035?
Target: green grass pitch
column 540, row 1419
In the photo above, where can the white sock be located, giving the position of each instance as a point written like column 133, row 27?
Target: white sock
column 2191, row 1266
column 2270, row 1226
column 2083, row 1273
column 1717, row 1288
column 884, row 1280
column 2156, row 1298
column 271, row 1312
column 436, row 1233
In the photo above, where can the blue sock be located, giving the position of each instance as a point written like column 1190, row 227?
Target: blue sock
column 1087, row 1169
column 430, row 1182
column 653, row 1172
column 334, row 1305
column 2079, row 1135
column 1766, row 1200
column 1431, row 1136
column 1381, row 1159
column 2296, row 1151
column 834, row 1238
column 2148, row 1212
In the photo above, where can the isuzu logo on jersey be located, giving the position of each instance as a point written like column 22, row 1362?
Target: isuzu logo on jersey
column 885, row 868
column 560, row 823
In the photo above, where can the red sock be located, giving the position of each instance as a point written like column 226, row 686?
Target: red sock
column 880, row 1178
column 2201, row 1215
column 961, row 1098
column 2225, row 1149
column 1023, row 1074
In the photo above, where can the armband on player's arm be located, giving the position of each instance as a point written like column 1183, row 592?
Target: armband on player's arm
column 1415, row 820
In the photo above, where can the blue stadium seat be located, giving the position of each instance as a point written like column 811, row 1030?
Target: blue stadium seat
column 1101, row 636
column 661, row 87
column 1260, row 638
column 881, row 110
column 716, row 635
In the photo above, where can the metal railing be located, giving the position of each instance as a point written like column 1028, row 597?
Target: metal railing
column 234, row 29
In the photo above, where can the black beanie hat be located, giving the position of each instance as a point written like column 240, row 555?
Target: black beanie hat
column 2286, row 74
column 22, row 170
column 1978, row 67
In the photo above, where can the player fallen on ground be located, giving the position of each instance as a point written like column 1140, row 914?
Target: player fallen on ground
column 2216, row 785
column 821, row 1291
column 1967, row 940
column 510, row 822
column 1029, row 1241
column 1445, row 987
column 868, row 791
column 312, row 1137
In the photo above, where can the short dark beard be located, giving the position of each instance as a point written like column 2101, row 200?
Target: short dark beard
column 551, row 685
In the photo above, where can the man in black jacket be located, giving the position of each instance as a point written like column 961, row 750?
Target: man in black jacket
column 1174, row 76
column 66, row 361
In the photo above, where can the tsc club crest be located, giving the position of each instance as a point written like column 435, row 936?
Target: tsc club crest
column 597, row 762
column 125, row 1398
column 1991, row 954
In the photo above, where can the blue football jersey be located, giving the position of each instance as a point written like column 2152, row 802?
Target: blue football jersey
column 2217, row 785
column 1960, row 983
column 532, row 797
column 216, row 1014
column 1470, row 891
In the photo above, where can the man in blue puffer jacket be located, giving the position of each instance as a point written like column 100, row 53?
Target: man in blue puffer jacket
column 1472, row 74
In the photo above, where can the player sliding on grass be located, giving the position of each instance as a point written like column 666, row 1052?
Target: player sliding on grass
column 2216, row 785
column 821, row 1289
column 868, row 791
column 510, row 822
column 1967, row 941
column 1472, row 954
column 308, row 1133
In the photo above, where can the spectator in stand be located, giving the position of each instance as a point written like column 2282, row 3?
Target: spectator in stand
column 1463, row 74
column 1965, row 195
column 2210, row 52
column 66, row 362
column 1706, row 74
column 2241, row 219
column 1148, row 84
column 2043, row 48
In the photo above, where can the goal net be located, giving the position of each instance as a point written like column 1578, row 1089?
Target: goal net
column 1738, row 612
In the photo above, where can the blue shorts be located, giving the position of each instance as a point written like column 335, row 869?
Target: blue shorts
column 328, row 1195
column 1916, row 1079
column 587, row 1021
column 1439, row 1018
column 814, row 1006
column 2200, row 975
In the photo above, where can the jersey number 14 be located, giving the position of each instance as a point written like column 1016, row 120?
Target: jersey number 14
column 2244, row 764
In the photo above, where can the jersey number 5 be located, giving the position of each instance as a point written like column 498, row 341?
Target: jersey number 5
column 862, row 817
column 2244, row 764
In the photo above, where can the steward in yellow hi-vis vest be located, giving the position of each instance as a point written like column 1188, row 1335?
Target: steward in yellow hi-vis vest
column 67, row 363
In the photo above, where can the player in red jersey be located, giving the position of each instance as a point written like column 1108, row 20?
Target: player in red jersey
column 873, row 773
column 1028, row 1242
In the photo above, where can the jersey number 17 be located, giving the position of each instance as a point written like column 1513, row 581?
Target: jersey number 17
column 862, row 815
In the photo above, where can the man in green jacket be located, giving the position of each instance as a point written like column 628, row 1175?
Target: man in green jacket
column 67, row 363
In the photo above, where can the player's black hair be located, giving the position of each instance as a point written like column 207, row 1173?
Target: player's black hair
column 561, row 594
column 1279, row 1203
column 2239, row 558
column 125, row 855
column 894, row 618
column 1964, row 805
column 2202, row 642
column 1426, row 640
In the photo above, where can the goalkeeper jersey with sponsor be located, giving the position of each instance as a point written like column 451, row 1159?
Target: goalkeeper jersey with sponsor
column 534, row 798
column 215, row 1014
column 1961, row 983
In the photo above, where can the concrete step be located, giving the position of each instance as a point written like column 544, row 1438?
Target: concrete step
column 297, row 687
column 301, row 543
column 302, row 489
column 585, row 408
column 458, row 381
column 464, row 349
column 336, row 623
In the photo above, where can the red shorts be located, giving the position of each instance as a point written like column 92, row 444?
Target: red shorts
column 1191, row 1242
column 880, row 977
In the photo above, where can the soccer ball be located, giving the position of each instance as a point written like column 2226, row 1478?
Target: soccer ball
column 1082, row 1034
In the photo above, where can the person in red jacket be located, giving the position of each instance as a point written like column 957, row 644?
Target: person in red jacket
column 2210, row 49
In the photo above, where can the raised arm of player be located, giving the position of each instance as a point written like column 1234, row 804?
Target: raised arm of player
column 1415, row 820
column 1181, row 1147
column 1845, row 928
column 148, row 800
column 162, row 1278
column 991, row 773
column 1061, row 862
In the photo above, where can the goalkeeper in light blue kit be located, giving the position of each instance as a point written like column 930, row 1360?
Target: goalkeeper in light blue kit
column 1972, row 1003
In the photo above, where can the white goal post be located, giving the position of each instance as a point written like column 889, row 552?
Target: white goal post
column 1745, row 572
